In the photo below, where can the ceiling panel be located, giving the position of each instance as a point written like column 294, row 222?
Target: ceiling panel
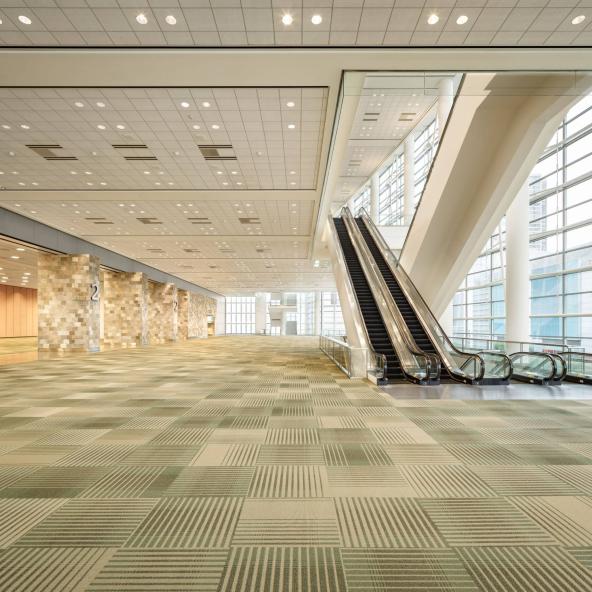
column 157, row 138
column 260, row 22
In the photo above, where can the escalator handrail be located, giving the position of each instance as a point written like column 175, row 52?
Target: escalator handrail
column 350, row 288
column 538, row 354
column 560, row 378
column 379, row 288
column 568, row 354
column 399, row 271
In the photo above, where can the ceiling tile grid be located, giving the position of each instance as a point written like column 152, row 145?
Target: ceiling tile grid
column 280, row 23
column 262, row 138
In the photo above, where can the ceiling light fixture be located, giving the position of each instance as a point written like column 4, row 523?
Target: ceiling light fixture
column 185, row 105
column 4, row 126
column 578, row 19
column 79, row 104
column 291, row 126
column 101, row 126
column 462, row 19
column 25, row 20
column 196, row 127
column 25, row 126
column 290, row 104
column 287, row 19
column 120, row 127
column 433, row 19
column 170, row 20
column 205, row 104
column 100, row 104
column 215, row 127
column 142, row 19
column 316, row 19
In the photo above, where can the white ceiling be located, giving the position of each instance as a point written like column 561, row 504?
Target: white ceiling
column 274, row 136
column 259, row 23
column 18, row 264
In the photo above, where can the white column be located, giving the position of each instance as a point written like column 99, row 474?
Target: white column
column 374, row 198
column 445, row 100
column 517, row 269
column 408, row 178
column 260, row 312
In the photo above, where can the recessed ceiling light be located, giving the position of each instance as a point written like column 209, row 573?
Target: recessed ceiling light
column 218, row 172
column 433, row 19
column 79, row 104
column 20, row 249
column 73, row 173
column 25, row 20
column 142, row 19
column 4, row 126
column 100, row 104
column 287, row 19
column 292, row 182
column 185, row 105
column 290, row 104
column 34, row 183
column 224, row 182
column 87, row 173
column 101, row 126
column 292, row 172
column 170, row 183
column 146, row 172
column 196, row 127
column 89, row 183
column 578, row 19
column 0, row 21
column 239, row 183
column 102, row 183
column 11, row 153
column 205, row 104
column 120, row 126
column 215, row 126
column 462, row 19
column 170, row 20
column 25, row 126
column 291, row 126
column 316, row 19
column 16, row 256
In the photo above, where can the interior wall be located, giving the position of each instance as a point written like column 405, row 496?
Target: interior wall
column 18, row 311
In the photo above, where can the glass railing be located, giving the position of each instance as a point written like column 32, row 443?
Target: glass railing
column 532, row 361
column 461, row 365
column 579, row 366
column 356, row 362
column 418, row 366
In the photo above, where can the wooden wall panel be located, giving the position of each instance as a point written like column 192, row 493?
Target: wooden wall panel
column 18, row 311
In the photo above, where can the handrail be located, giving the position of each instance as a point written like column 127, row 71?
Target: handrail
column 430, row 324
column 572, row 372
column 356, row 310
column 552, row 376
column 417, row 365
column 349, row 359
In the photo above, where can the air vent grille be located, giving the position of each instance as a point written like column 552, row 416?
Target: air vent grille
column 217, row 152
column 46, row 151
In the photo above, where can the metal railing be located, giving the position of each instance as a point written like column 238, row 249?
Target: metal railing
column 356, row 362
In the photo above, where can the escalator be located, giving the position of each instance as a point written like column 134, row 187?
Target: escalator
column 375, row 327
column 472, row 368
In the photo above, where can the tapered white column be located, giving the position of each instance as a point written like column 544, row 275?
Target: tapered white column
column 445, row 100
column 374, row 198
column 517, row 269
column 408, row 179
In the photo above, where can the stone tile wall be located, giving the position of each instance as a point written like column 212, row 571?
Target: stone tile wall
column 198, row 313
column 170, row 312
column 155, row 312
column 68, row 302
column 125, row 309
column 183, row 314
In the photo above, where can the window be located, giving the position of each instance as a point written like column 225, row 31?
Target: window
column 240, row 314
column 390, row 192
column 425, row 146
column 560, row 228
column 361, row 200
column 331, row 318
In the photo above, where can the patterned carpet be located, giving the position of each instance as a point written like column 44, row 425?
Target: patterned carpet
column 253, row 464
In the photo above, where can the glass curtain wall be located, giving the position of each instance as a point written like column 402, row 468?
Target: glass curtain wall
column 391, row 192
column 331, row 318
column 560, row 231
column 361, row 201
column 240, row 314
column 425, row 146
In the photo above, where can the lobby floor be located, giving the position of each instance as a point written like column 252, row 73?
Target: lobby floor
column 254, row 464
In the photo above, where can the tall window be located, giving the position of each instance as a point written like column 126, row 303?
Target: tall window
column 362, row 200
column 390, row 192
column 240, row 314
column 425, row 146
column 560, row 230
column 478, row 306
column 305, row 310
column 331, row 317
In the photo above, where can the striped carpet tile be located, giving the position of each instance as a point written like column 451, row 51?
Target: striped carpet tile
column 393, row 436
column 483, row 454
column 49, row 569
column 71, row 437
column 353, row 477
column 250, row 422
column 241, row 455
column 406, row 570
column 20, row 515
column 567, row 519
column 526, row 569
column 420, row 454
column 160, row 456
column 385, row 522
column 445, row 481
column 284, row 569
column 96, row 455
column 583, row 555
column 159, row 570
column 298, row 481
column 270, row 454
column 123, row 482
column 88, row 523
column 482, row 522
column 196, row 481
column 579, row 477
column 181, row 437
column 292, row 436
column 185, row 523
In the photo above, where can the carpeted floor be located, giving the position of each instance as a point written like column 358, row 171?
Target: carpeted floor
column 253, row 464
